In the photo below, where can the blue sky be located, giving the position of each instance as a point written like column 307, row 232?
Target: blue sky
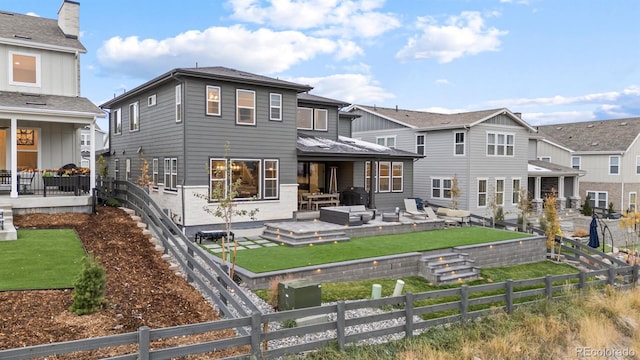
column 553, row 61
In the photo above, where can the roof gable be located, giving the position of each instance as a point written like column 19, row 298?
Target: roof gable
column 35, row 32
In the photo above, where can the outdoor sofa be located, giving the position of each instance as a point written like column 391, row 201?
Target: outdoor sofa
column 460, row 216
column 346, row 215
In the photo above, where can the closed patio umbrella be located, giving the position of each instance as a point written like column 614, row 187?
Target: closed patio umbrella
column 594, row 241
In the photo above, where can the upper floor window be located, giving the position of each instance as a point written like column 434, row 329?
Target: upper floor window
column 116, row 115
column 499, row 144
column 614, row 165
column 388, row 141
column 305, row 118
column 637, row 165
column 178, row 103
column 134, row 117
column 575, row 162
column 151, row 100
column 458, row 143
column 420, row 144
column 246, row 107
column 85, row 139
column 24, row 69
column 213, row 100
column 321, row 119
column 275, row 106
column 545, row 158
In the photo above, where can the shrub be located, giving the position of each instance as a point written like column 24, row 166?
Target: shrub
column 499, row 214
column 88, row 292
column 586, row 207
column 112, row 202
column 610, row 210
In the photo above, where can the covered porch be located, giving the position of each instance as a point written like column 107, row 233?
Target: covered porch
column 545, row 178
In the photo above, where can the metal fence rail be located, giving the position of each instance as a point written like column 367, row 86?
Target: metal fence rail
column 454, row 305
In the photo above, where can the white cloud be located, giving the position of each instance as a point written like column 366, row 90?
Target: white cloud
column 442, row 82
column 343, row 18
column 352, row 88
column 30, row 13
column 263, row 51
column 630, row 94
column 460, row 36
column 348, row 50
column 557, row 117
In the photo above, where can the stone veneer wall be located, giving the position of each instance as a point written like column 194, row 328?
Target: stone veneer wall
column 499, row 253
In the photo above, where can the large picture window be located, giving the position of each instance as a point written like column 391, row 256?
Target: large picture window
column 213, row 100
column 246, row 107
column 499, row 144
column 247, row 176
column 25, row 69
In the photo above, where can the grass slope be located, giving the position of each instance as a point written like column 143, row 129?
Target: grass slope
column 40, row 259
column 284, row 257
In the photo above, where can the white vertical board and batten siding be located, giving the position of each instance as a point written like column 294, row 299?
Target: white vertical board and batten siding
column 58, row 72
column 369, row 122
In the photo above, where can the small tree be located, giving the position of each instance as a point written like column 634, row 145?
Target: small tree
column 144, row 179
column 455, row 191
column 551, row 217
column 88, row 289
column 492, row 205
column 629, row 222
column 103, row 171
column 586, row 207
column 524, row 207
column 226, row 208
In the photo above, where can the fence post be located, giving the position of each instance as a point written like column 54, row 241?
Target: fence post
column 256, row 320
column 634, row 274
column 464, row 302
column 509, row 295
column 548, row 287
column 189, row 263
column 611, row 275
column 408, row 315
column 143, row 343
column 340, row 333
column 582, row 283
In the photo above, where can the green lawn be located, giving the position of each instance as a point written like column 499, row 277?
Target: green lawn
column 285, row 257
column 40, row 259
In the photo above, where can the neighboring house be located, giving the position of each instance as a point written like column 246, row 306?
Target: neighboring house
column 486, row 151
column 98, row 144
column 188, row 122
column 41, row 110
column 607, row 151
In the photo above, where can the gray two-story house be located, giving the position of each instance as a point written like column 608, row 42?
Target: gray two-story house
column 279, row 141
column 486, row 151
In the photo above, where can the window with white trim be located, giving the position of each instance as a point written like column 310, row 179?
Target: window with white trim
column 441, row 188
column 178, row 103
column 576, row 162
column 637, row 165
column 84, row 163
column 633, row 201
column 614, row 165
column 85, row 139
column 213, row 100
column 127, row 169
column 154, row 172
column 246, row 107
column 459, row 143
column 499, row 192
column 151, row 100
column 500, row 144
column 598, row 199
column 546, row 159
column 389, row 177
column 270, row 179
column 388, row 141
column 275, row 107
column 246, row 177
column 116, row 116
column 134, row 117
column 321, row 119
column 116, row 169
column 420, row 145
column 305, row 118
column 482, row 192
column 217, row 178
column 24, row 69
column 515, row 189
column 170, row 174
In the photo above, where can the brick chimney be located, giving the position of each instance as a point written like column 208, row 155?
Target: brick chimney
column 69, row 18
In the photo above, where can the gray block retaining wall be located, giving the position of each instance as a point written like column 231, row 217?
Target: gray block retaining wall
column 509, row 252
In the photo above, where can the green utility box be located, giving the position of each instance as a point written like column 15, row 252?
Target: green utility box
column 297, row 294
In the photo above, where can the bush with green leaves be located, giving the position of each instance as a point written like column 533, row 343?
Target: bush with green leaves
column 586, row 207
column 112, row 202
column 89, row 287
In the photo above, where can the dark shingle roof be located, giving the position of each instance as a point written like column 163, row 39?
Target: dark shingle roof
column 48, row 103
column 214, row 73
column 306, row 97
column 26, row 29
column 344, row 146
column 602, row 135
column 423, row 119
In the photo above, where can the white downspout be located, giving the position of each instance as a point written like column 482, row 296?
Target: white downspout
column 92, row 155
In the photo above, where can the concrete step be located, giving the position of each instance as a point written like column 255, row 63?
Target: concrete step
column 442, row 257
column 462, row 276
column 454, row 269
column 295, row 242
column 449, row 263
